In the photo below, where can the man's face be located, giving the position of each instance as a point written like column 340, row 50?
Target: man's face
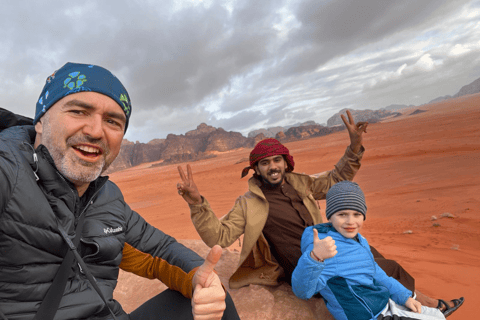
column 272, row 169
column 83, row 132
column 347, row 222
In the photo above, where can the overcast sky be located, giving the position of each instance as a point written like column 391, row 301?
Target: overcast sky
column 242, row 64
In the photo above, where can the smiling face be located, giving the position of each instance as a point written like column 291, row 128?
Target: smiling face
column 272, row 169
column 83, row 132
column 347, row 222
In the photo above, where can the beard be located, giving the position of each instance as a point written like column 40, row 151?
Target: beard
column 73, row 168
column 269, row 184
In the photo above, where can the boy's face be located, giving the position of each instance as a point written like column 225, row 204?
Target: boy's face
column 347, row 222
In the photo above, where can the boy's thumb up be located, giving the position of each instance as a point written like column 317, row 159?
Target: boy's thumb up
column 323, row 249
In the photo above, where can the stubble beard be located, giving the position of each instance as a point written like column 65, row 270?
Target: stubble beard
column 73, row 168
column 272, row 185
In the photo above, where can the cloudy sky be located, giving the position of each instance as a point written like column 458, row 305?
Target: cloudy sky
column 244, row 64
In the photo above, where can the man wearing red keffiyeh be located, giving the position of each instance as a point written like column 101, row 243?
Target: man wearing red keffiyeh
column 274, row 212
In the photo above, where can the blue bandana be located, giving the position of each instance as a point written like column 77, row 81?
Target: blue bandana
column 76, row 77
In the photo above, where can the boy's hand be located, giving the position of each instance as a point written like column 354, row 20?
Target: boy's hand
column 414, row 305
column 323, row 249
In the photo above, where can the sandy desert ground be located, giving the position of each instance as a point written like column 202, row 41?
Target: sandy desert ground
column 415, row 167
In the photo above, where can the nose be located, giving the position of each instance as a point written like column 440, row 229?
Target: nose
column 94, row 127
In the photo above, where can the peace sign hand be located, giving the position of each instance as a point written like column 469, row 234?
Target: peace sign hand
column 355, row 131
column 323, row 249
column 187, row 188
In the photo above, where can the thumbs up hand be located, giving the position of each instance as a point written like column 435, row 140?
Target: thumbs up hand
column 323, row 249
column 208, row 301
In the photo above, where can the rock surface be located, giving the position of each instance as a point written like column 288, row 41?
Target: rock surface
column 252, row 302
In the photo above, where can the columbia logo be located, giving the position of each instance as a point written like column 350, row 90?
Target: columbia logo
column 111, row 230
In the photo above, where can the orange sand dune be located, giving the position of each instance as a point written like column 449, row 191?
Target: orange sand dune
column 414, row 167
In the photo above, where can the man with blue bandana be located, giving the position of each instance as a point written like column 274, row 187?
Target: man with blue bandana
column 65, row 230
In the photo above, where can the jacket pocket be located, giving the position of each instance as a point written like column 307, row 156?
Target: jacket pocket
column 100, row 249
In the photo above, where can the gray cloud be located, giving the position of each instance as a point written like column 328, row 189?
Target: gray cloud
column 242, row 65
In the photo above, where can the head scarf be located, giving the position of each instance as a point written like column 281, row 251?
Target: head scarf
column 76, row 77
column 345, row 195
column 267, row 148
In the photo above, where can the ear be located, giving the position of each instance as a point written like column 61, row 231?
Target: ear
column 255, row 168
column 39, row 127
column 38, row 136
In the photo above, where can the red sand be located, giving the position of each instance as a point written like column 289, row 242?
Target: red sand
column 414, row 167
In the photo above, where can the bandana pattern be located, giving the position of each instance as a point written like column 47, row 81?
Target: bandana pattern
column 267, row 148
column 76, row 77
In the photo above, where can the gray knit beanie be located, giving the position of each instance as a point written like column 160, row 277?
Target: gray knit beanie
column 345, row 195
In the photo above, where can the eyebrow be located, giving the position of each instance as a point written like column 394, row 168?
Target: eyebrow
column 88, row 106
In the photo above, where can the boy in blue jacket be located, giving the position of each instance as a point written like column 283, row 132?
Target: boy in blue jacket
column 338, row 264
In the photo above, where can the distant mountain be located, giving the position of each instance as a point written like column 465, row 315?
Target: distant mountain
column 271, row 132
column 440, row 99
column 371, row 116
column 396, row 107
column 305, row 132
column 471, row 88
column 197, row 144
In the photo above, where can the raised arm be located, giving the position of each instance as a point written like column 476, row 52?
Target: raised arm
column 348, row 166
column 212, row 230
column 355, row 131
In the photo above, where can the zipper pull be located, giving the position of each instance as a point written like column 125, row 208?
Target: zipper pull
column 35, row 159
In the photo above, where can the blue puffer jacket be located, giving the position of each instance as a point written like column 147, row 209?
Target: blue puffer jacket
column 352, row 284
column 31, row 248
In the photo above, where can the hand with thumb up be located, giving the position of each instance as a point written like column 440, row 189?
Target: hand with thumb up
column 323, row 249
column 208, row 301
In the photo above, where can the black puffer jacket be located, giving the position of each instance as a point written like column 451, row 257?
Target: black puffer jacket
column 31, row 248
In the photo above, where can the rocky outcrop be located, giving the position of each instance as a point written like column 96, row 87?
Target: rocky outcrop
column 196, row 144
column 252, row 302
column 371, row 116
column 305, row 132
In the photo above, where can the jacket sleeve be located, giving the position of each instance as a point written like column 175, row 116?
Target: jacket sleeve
column 345, row 169
column 171, row 262
column 310, row 276
column 7, row 175
column 222, row 231
column 398, row 292
column 145, row 265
